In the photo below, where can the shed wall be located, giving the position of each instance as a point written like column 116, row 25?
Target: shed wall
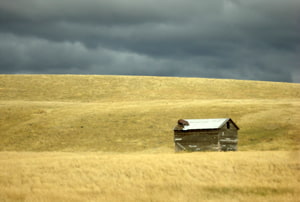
column 228, row 137
column 197, row 140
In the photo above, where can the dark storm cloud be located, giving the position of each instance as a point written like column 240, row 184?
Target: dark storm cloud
column 225, row 39
column 104, row 11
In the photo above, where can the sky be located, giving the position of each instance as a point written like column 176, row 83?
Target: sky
column 232, row 39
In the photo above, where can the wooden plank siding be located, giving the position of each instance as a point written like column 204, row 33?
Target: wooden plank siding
column 197, row 140
column 228, row 137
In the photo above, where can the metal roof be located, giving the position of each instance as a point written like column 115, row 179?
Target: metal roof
column 195, row 124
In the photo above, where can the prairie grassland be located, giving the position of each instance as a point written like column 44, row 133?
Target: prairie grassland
column 137, row 126
column 128, row 114
column 94, row 88
column 110, row 138
column 94, row 176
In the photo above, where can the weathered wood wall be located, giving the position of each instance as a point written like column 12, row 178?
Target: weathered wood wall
column 228, row 137
column 197, row 140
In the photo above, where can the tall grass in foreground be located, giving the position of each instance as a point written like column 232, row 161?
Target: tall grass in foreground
column 209, row 176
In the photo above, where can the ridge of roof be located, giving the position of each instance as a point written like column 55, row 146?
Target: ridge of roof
column 212, row 123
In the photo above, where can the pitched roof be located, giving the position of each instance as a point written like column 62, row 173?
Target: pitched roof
column 195, row 124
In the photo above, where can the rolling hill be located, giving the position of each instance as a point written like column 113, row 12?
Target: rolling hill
column 136, row 113
column 110, row 138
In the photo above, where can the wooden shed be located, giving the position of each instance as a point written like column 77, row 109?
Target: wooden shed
column 206, row 135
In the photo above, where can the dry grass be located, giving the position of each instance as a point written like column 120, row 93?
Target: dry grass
column 110, row 138
column 136, row 126
column 127, row 114
column 91, row 88
column 232, row 176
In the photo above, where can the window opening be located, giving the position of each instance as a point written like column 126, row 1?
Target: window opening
column 228, row 125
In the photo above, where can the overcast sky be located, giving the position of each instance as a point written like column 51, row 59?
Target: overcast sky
column 236, row 39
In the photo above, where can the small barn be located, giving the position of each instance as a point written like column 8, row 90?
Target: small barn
column 206, row 135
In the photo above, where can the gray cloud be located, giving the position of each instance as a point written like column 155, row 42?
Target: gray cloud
column 220, row 38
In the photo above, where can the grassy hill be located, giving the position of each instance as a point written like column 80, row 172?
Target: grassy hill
column 134, row 113
column 110, row 138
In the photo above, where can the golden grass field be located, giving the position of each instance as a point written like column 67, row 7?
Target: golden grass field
column 110, row 138
column 210, row 176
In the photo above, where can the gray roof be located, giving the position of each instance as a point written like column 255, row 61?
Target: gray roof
column 195, row 124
